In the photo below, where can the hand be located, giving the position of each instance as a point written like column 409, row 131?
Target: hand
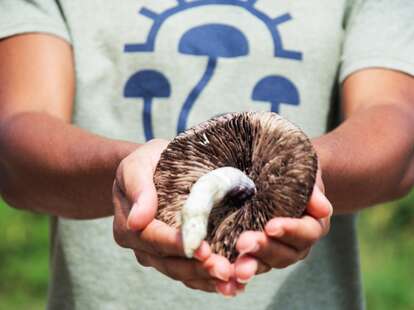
column 154, row 243
column 284, row 240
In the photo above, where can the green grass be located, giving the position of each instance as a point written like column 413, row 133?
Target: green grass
column 386, row 241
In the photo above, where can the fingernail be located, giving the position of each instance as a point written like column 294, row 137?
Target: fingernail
column 203, row 252
column 220, row 274
column 244, row 281
column 132, row 214
column 330, row 208
column 274, row 231
column 324, row 201
column 253, row 249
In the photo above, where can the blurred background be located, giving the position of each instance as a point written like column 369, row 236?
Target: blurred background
column 386, row 236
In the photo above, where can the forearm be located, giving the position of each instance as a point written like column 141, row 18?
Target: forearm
column 52, row 167
column 369, row 158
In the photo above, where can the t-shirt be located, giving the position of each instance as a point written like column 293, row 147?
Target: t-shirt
column 148, row 68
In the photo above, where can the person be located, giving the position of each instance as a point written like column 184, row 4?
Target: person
column 84, row 85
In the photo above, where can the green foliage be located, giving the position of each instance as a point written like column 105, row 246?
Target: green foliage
column 386, row 242
column 387, row 255
column 23, row 259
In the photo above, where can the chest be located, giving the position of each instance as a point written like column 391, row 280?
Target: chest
column 207, row 57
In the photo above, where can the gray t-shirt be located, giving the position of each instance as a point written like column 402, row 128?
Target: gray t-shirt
column 152, row 68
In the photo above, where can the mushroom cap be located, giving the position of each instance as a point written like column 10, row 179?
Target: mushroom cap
column 276, row 88
column 214, row 40
column 271, row 151
column 147, row 84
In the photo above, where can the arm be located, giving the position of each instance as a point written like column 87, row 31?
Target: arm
column 367, row 159
column 370, row 157
column 46, row 164
column 50, row 166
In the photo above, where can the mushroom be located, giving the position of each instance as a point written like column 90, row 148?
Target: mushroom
column 276, row 89
column 147, row 84
column 213, row 41
column 231, row 174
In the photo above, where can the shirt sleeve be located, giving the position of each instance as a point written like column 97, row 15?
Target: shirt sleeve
column 25, row 16
column 379, row 33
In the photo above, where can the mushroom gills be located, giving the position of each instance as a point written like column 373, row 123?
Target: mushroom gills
column 208, row 191
column 232, row 152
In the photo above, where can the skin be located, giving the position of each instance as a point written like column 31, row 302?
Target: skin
column 285, row 242
column 49, row 166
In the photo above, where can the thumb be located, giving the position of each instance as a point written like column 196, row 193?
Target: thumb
column 144, row 208
column 319, row 206
column 138, row 183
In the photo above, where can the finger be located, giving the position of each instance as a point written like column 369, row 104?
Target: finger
column 144, row 209
column 167, row 243
column 319, row 206
column 271, row 252
column 203, row 252
column 134, row 178
column 228, row 289
column 218, row 267
column 297, row 233
column 180, row 269
column 163, row 240
column 326, row 225
column 318, row 180
column 133, row 173
column 160, row 239
column 231, row 287
column 156, row 144
column 122, row 235
column 247, row 266
column 137, row 170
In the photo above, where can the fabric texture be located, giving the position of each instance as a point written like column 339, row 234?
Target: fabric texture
column 45, row 16
column 151, row 68
column 379, row 35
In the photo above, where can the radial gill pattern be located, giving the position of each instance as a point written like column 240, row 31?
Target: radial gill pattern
column 275, row 154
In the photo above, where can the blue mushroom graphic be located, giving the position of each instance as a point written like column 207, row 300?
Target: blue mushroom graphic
column 212, row 41
column 276, row 90
column 147, row 85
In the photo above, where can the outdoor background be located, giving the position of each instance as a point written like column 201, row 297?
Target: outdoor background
column 386, row 241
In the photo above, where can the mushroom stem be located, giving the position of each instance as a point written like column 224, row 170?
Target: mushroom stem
column 207, row 192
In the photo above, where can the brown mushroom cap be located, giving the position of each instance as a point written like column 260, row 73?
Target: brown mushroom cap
column 275, row 154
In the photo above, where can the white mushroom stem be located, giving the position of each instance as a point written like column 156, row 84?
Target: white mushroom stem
column 209, row 189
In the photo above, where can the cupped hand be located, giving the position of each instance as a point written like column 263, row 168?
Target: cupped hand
column 154, row 243
column 284, row 240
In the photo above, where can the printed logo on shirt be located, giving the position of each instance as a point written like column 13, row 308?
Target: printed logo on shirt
column 213, row 41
